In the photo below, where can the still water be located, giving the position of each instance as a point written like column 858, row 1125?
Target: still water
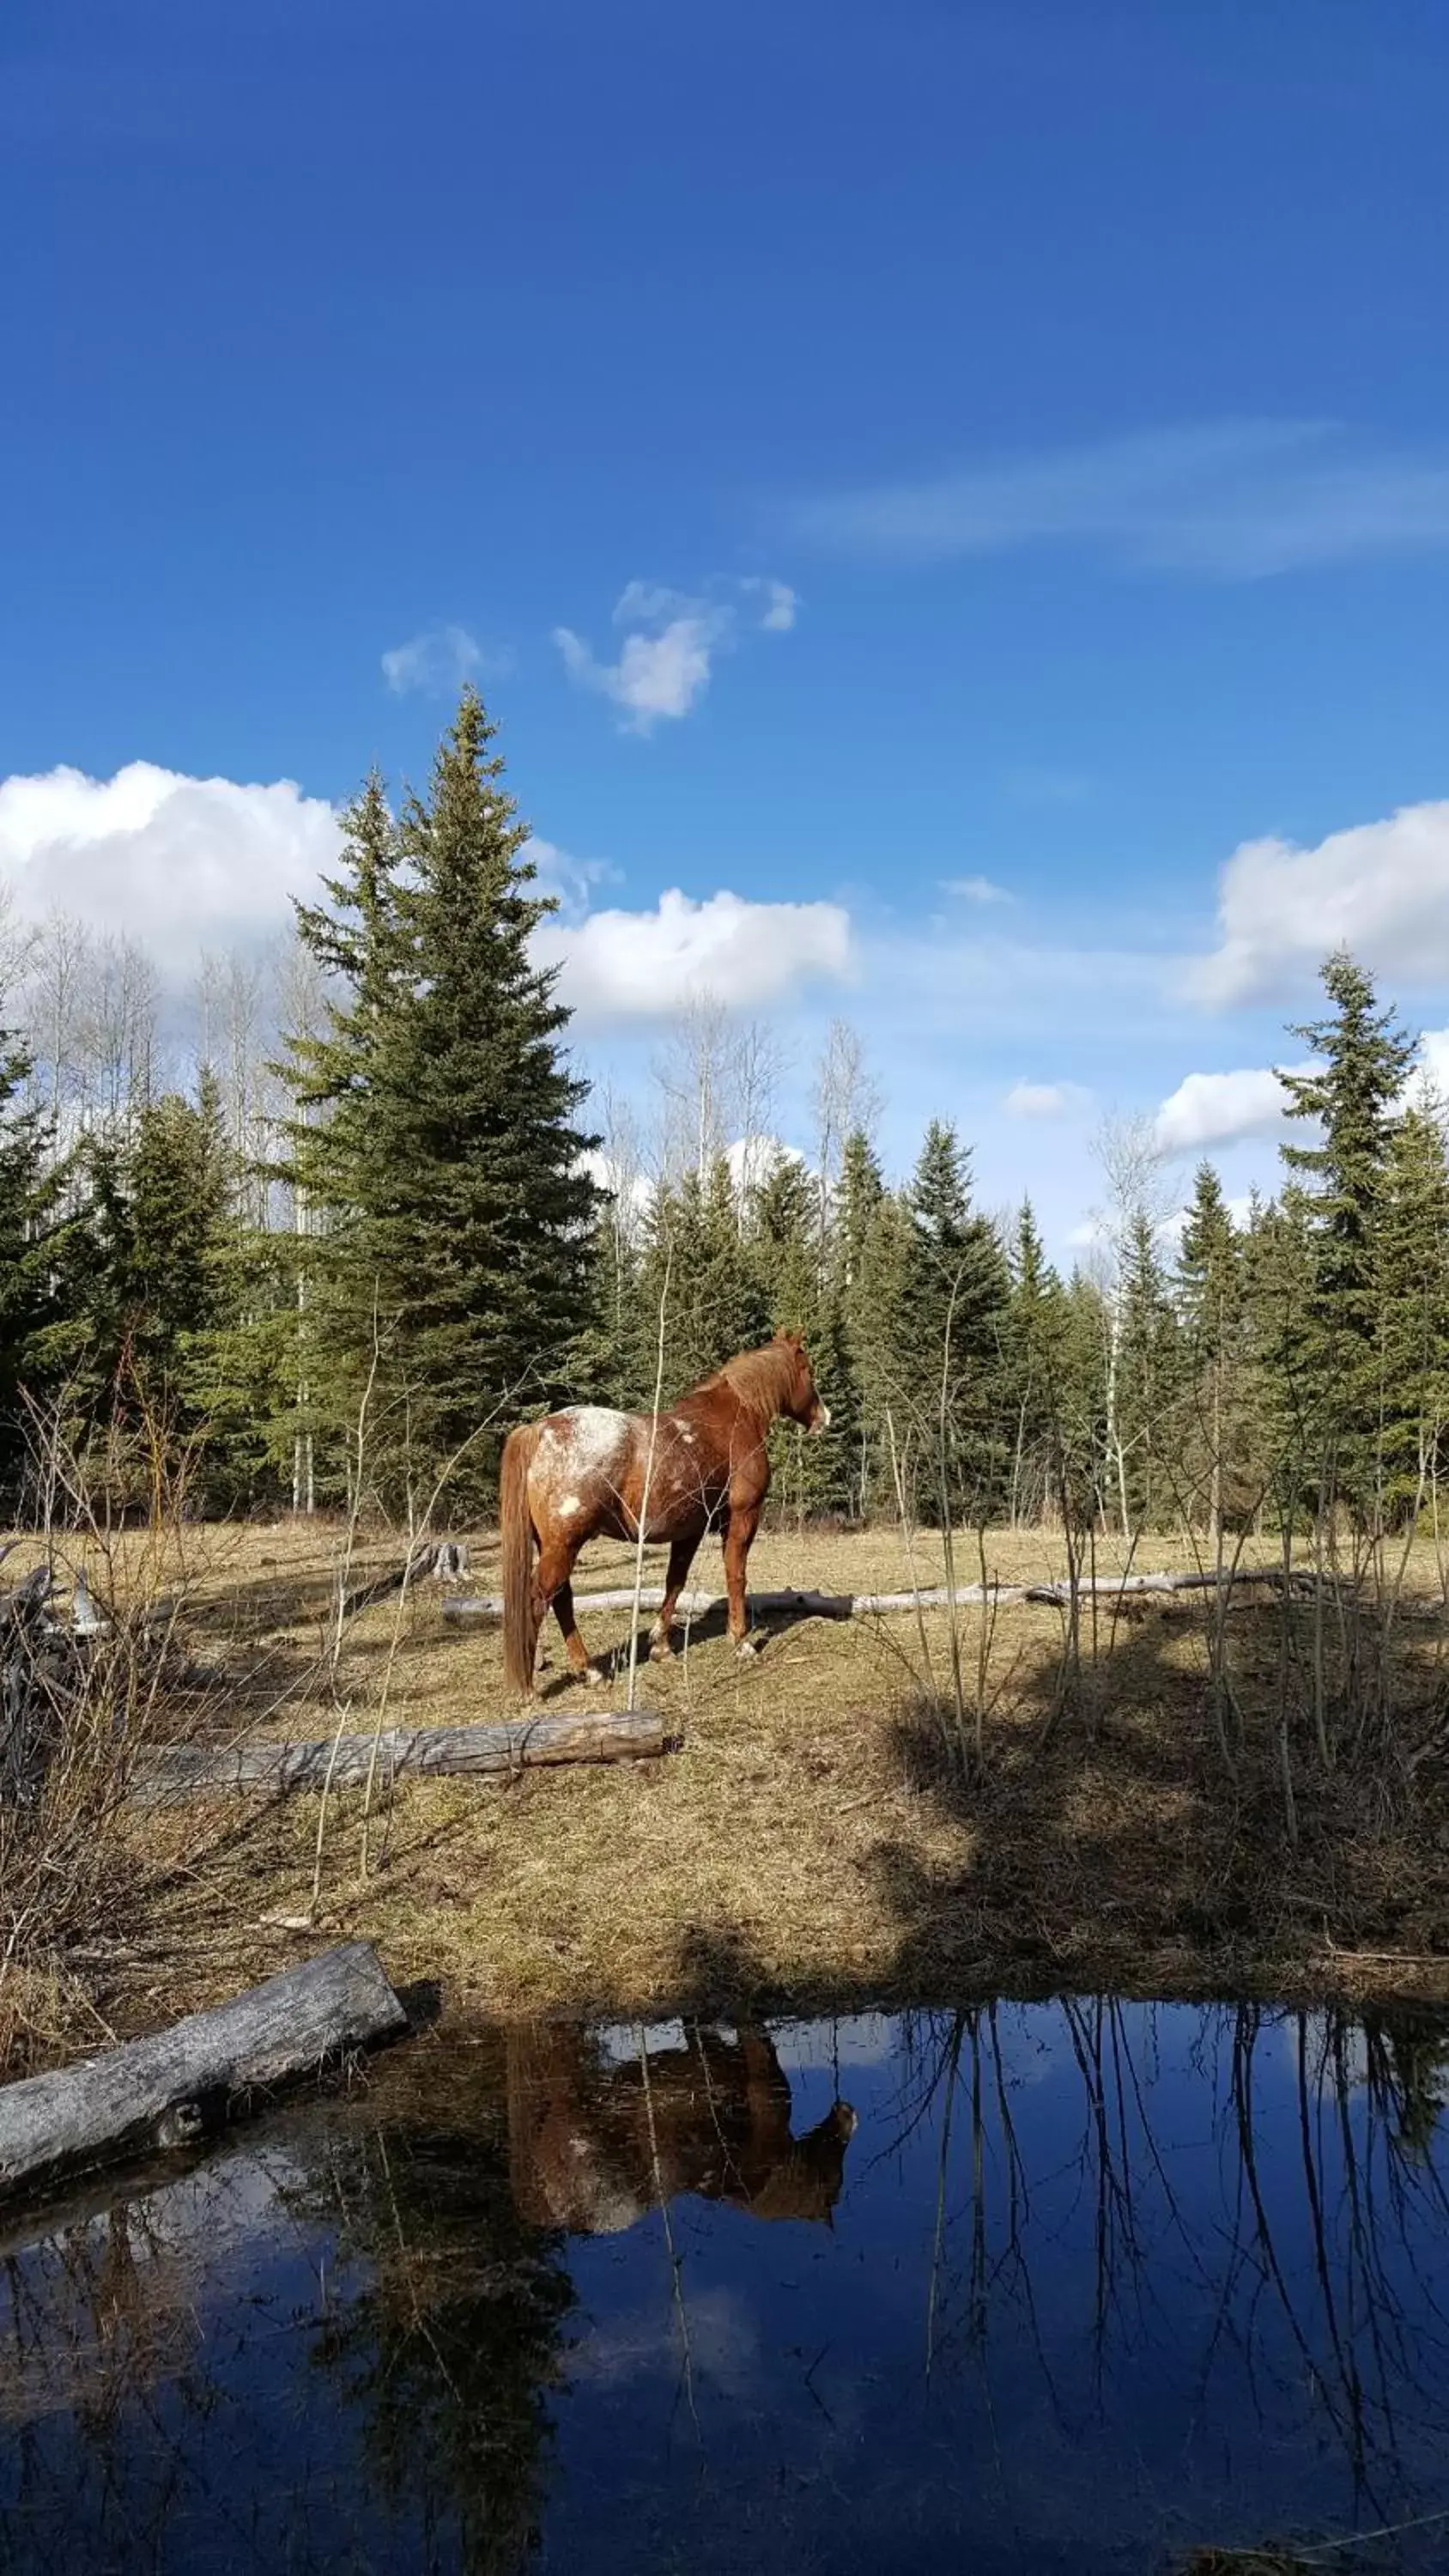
column 1081, row 2285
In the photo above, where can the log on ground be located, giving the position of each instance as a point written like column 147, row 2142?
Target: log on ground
column 870, row 1605
column 171, row 2089
column 347, row 1761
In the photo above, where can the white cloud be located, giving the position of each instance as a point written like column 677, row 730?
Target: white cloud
column 1219, row 1108
column 1043, row 1099
column 438, row 661
column 782, row 604
column 635, row 1189
column 570, row 881
column 632, row 965
column 1381, row 889
column 753, row 1160
column 1234, row 499
column 1434, row 1061
column 655, row 677
column 670, row 642
column 180, row 864
column 975, row 889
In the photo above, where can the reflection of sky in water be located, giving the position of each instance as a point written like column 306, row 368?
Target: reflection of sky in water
column 1087, row 2287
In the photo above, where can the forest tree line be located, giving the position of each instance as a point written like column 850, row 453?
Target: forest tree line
column 384, row 1216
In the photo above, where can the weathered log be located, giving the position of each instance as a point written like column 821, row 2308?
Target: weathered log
column 605, row 1735
column 168, row 2090
column 870, row 1605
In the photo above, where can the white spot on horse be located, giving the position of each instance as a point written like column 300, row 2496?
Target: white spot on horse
column 569, row 1508
column 596, row 1435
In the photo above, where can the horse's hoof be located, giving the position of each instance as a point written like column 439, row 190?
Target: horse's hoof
column 747, row 1650
column 592, row 1675
column 661, row 1651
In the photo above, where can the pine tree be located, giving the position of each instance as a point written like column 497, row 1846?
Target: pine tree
column 39, row 1278
column 1365, row 1058
column 873, row 1289
column 1210, row 1302
column 1033, row 1374
column 1149, row 1382
column 954, row 1320
column 330, row 1163
column 1413, row 1261
column 168, row 1279
column 453, row 1159
column 699, row 1272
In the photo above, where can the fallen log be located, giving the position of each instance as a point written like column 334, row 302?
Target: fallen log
column 169, row 2090
column 871, row 1605
column 606, row 1735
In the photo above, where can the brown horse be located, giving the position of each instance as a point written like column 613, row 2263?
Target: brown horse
column 591, row 1472
column 593, row 2147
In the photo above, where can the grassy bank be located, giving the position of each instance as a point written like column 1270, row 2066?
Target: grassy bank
column 813, row 1840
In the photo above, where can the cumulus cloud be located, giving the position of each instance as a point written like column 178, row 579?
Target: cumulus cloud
column 1220, row 1108
column 753, row 1160
column 1043, row 1099
column 975, row 889
column 636, row 965
column 180, row 864
column 437, row 661
column 670, row 640
column 571, row 882
column 1234, row 500
column 1381, row 889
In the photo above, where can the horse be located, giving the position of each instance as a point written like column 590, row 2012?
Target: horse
column 590, row 1472
column 593, row 2147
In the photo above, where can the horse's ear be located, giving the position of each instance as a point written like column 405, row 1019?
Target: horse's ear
column 796, row 1341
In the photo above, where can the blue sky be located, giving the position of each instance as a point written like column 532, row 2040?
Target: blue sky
column 863, row 451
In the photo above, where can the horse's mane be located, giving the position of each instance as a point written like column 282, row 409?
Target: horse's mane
column 761, row 1380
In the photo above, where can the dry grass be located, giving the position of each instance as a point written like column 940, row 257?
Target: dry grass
column 808, row 1843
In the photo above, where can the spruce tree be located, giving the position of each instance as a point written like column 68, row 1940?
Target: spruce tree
column 954, row 1324
column 40, row 1281
column 1353, row 1093
column 1413, row 1260
column 699, row 1274
column 1210, row 1303
column 1033, row 1371
column 1149, row 1383
column 459, row 1268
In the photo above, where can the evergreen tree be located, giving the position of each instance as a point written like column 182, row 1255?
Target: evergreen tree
column 1353, row 1093
column 698, row 1271
column 954, row 1319
column 36, row 1265
column 1033, row 1371
column 451, row 1155
column 810, row 1476
column 1210, row 1291
column 1149, row 1383
column 1413, row 1260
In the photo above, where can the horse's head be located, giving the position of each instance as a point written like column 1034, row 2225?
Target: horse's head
column 801, row 1400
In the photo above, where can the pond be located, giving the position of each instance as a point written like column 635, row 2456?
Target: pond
column 1074, row 2285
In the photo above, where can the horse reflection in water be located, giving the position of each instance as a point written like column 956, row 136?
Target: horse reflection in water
column 594, row 2145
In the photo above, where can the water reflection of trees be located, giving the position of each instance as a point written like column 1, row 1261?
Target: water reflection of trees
column 1309, row 2265
column 1266, row 2218
column 435, row 2210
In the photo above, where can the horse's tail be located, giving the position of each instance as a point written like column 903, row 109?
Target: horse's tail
column 520, row 1616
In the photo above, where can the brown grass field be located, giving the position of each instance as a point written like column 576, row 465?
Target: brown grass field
column 809, row 1843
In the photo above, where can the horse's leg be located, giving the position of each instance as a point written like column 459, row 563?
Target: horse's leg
column 574, row 1647
column 681, row 1558
column 552, row 1585
column 744, row 1521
